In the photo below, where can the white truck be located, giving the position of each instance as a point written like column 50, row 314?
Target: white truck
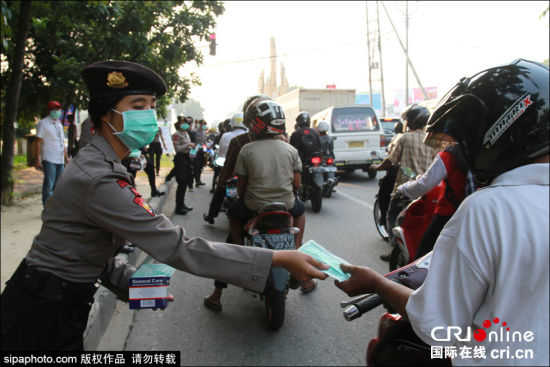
column 312, row 101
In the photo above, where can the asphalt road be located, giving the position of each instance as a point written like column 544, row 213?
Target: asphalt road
column 314, row 332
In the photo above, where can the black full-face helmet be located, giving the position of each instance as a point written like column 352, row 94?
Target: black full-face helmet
column 415, row 116
column 499, row 116
column 267, row 118
column 303, row 119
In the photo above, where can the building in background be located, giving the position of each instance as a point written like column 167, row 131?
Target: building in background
column 269, row 86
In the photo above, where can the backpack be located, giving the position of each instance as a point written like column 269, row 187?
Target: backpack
column 309, row 139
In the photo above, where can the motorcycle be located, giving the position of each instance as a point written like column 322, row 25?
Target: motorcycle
column 386, row 186
column 312, row 182
column 329, row 176
column 411, row 224
column 211, row 151
column 396, row 344
column 231, row 194
column 272, row 228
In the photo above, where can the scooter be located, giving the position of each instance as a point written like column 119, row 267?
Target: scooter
column 312, row 182
column 411, row 224
column 231, row 194
column 396, row 343
column 329, row 176
column 272, row 228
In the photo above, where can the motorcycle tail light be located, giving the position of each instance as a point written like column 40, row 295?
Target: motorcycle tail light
column 316, row 160
column 330, row 161
column 273, row 231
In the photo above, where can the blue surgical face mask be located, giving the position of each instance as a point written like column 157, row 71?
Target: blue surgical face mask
column 140, row 128
column 184, row 126
column 55, row 114
column 204, row 127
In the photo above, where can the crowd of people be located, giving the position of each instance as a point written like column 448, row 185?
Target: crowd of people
column 490, row 249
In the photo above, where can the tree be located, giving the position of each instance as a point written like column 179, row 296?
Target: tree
column 193, row 108
column 12, row 96
column 64, row 36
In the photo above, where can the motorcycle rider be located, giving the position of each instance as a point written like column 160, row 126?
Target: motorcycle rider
column 226, row 173
column 490, row 262
column 325, row 140
column 217, row 169
column 388, row 181
column 409, row 151
column 305, row 139
column 268, row 170
column 450, row 167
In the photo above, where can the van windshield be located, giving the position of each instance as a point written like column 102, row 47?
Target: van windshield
column 354, row 119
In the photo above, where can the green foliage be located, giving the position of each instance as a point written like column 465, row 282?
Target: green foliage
column 65, row 36
column 19, row 162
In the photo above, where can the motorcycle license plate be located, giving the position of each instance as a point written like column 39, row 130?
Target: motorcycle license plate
column 282, row 241
column 231, row 192
column 317, row 169
column 330, row 169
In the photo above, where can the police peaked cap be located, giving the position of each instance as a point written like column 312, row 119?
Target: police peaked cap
column 120, row 78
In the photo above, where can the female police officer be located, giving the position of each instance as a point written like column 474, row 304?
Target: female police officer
column 96, row 207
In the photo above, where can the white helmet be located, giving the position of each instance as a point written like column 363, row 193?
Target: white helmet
column 322, row 126
column 237, row 120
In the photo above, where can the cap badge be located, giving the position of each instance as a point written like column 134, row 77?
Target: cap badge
column 116, row 80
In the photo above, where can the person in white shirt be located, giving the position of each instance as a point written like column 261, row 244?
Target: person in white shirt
column 489, row 271
column 237, row 128
column 51, row 153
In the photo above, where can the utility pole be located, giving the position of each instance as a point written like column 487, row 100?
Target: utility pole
column 380, row 55
column 406, row 53
column 368, row 53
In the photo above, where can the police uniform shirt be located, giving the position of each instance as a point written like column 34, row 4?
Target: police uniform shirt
column 181, row 141
column 95, row 207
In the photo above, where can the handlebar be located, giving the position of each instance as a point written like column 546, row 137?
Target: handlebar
column 362, row 306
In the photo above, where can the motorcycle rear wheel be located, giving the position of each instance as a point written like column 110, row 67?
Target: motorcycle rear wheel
column 381, row 228
column 327, row 191
column 316, row 199
column 275, row 308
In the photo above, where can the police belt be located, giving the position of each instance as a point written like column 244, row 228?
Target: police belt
column 45, row 285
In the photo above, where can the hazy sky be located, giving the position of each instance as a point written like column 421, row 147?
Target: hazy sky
column 325, row 42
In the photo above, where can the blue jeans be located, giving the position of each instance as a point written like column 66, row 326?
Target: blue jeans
column 52, row 171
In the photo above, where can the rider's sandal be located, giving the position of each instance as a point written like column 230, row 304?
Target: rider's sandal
column 212, row 306
column 310, row 288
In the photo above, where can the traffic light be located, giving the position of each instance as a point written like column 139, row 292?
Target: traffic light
column 213, row 44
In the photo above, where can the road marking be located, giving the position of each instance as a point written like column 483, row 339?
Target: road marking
column 356, row 200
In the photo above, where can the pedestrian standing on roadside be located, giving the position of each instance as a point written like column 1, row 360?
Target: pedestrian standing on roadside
column 72, row 136
column 155, row 150
column 86, row 132
column 51, row 153
column 182, row 165
column 46, row 302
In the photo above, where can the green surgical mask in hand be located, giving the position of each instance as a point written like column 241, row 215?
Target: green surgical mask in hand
column 321, row 254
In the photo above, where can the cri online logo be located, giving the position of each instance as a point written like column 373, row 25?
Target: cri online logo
column 502, row 334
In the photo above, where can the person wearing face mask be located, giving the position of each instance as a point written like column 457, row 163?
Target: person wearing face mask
column 96, row 208
column 51, row 153
column 182, row 165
